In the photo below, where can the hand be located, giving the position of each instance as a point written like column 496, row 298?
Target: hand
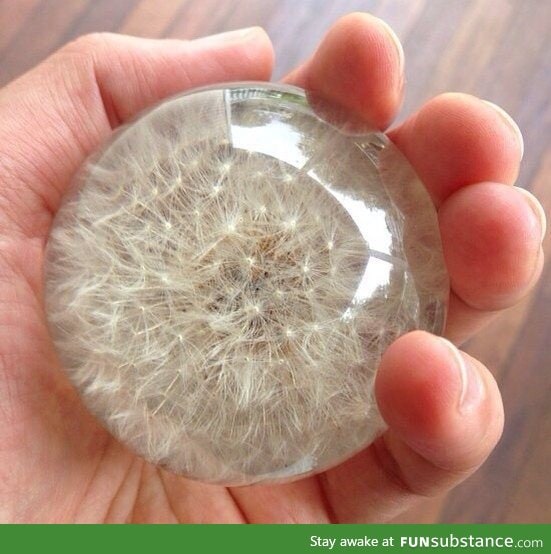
column 442, row 406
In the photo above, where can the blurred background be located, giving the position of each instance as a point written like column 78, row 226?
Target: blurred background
column 496, row 49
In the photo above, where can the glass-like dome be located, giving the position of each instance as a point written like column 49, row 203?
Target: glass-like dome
column 226, row 273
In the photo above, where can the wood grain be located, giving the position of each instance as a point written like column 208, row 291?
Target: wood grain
column 495, row 49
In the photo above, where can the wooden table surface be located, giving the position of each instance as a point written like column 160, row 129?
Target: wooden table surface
column 496, row 49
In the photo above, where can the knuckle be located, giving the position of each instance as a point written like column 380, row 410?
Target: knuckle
column 89, row 44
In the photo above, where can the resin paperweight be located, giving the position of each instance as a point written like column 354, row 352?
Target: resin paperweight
column 225, row 274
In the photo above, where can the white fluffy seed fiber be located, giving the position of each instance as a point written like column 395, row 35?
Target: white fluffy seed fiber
column 207, row 299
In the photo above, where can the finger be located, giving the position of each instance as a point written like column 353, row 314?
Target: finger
column 491, row 236
column 132, row 73
column 358, row 65
column 445, row 416
column 64, row 108
column 455, row 140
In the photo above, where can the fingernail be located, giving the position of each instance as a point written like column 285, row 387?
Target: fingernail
column 537, row 208
column 511, row 123
column 472, row 388
column 229, row 36
column 397, row 44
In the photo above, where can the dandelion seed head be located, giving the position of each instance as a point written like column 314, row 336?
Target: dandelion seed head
column 224, row 281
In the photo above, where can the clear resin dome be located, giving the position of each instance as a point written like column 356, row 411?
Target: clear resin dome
column 224, row 276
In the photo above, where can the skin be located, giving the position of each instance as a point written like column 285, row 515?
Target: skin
column 442, row 407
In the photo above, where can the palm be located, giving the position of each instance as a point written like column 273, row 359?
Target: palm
column 58, row 464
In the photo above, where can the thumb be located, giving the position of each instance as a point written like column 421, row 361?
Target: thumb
column 66, row 106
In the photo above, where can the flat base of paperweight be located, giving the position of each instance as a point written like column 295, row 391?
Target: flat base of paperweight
column 225, row 274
